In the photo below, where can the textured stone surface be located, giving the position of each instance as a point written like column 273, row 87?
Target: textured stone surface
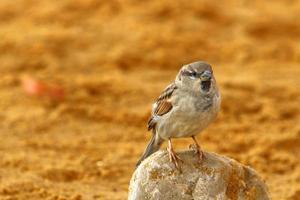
column 217, row 177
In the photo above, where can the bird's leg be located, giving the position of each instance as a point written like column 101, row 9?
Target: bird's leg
column 172, row 155
column 198, row 149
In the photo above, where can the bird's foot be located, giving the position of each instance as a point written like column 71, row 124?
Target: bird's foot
column 174, row 158
column 198, row 151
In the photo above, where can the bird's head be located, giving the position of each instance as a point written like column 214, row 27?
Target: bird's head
column 198, row 77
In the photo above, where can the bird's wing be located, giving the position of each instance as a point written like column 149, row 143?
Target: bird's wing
column 162, row 105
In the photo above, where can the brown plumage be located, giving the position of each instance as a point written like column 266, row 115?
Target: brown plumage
column 163, row 105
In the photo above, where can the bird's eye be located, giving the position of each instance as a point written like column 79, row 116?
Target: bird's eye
column 193, row 74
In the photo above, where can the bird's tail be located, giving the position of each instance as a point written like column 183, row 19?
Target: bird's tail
column 153, row 146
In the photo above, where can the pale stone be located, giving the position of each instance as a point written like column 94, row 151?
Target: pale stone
column 217, row 177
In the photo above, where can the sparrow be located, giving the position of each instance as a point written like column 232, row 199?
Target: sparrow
column 184, row 109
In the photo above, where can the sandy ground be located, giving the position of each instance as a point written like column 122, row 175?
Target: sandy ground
column 114, row 58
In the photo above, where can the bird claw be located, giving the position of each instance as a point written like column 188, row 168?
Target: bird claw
column 196, row 148
column 174, row 158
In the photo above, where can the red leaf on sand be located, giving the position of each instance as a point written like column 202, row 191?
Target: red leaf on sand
column 34, row 87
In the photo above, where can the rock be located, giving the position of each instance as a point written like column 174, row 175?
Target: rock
column 217, row 177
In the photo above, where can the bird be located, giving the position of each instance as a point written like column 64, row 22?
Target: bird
column 184, row 109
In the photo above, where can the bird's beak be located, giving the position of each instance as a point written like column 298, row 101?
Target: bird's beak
column 206, row 75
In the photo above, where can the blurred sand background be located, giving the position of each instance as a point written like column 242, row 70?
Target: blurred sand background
column 114, row 58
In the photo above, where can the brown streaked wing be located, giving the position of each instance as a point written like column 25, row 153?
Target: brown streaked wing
column 163, row 104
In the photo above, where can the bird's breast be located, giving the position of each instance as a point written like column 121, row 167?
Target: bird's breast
column 189, row 117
